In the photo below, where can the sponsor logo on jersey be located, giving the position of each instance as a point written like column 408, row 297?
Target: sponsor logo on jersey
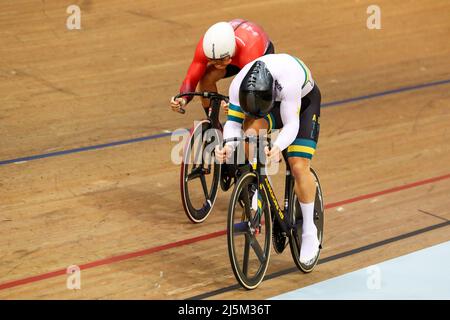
column 278, row 86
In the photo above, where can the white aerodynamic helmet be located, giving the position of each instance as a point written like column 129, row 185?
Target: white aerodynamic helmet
column 219, row 41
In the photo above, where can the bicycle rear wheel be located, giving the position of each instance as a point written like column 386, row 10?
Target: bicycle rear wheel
column 249, row 232
column 199, row 175
column 295, row 215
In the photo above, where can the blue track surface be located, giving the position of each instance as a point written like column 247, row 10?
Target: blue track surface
column 424, row 274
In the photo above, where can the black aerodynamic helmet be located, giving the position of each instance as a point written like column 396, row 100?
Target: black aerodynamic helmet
column 257, row 91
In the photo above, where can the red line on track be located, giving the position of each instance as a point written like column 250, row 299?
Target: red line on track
column 114, row 259
column 383, row 192
column 208, row 236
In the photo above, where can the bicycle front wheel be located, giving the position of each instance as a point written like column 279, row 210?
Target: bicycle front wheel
column 200, row 174
column 249, row 232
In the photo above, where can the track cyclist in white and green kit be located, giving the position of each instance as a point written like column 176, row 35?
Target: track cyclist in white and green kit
column 277, row 91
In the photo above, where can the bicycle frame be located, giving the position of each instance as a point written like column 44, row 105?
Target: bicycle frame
column 281, row 214
column 257, row 165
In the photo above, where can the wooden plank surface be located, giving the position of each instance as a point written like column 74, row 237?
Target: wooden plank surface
column 112, row 80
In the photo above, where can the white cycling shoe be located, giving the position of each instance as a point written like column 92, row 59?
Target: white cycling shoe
column 310, row 248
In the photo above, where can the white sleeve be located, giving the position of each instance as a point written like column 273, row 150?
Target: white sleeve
column 289, row 111
column 233, row 129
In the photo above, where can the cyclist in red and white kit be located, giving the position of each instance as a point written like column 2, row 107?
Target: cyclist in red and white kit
column 222, row 52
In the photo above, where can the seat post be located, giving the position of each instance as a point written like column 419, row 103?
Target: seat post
column 214, row 111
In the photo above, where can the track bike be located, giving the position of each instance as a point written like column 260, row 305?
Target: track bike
column 200, row 174
column 250, row 233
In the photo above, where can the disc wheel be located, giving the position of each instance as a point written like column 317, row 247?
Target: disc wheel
column 200, row 174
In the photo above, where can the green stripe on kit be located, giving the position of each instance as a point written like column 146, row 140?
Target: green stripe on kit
column 236, row 119
column 305, row 143
column 300, row 154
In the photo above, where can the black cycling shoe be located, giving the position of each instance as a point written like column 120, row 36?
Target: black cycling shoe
column 278, row 240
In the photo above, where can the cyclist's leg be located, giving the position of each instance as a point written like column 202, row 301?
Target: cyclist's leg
column 209, row 82
column 300, row 153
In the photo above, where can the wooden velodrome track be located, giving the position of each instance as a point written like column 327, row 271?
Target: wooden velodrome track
column 115, row 210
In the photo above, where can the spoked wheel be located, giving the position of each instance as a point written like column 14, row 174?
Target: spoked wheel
column 249, row 232
column 296, row 215
column 200, row 174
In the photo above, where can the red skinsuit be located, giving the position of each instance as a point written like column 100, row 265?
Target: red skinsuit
column 251, row 43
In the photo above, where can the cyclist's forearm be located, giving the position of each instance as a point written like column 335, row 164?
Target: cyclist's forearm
column 287, row 135
column 231, row 130
column 289, row 111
